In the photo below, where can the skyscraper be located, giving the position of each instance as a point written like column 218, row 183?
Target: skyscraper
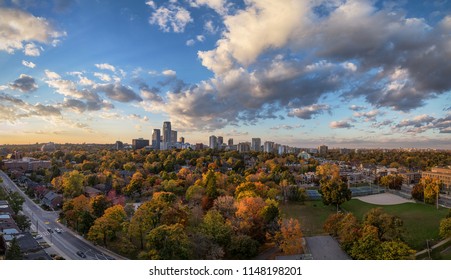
column 256, row 144
column 220, row 141
column 167, row 133
column 230, row 142
column 213, row 142
column 173, row 136
column 156, row 139
column 322, row 150
column 268, row 147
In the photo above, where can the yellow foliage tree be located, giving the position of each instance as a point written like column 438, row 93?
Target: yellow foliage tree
column 289, row 237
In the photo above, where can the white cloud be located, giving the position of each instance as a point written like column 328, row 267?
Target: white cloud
column 169, row 72
column 32, row 50
column 220, row 6
column 190, row 42
column 263, row 25
column 28, row 64
column 19, row 27
column 52, row 75
column 210, row 27
column 106, row 66
column 200, row 38
column 171, row 18
column 151, row 4
column 102, row 76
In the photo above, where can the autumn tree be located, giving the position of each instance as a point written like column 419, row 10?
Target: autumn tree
column 167, row 242
column 391, row 181
column 368, row 246
column 135, row 185
column 225, row 205
column 289, row 238
column 389, row 226
column 77, row 213
column 396, row 250
column 99, row 204
column 250, row 219
column 334, row 191
column 243, row 247
column 445, row 228
column 106, row 227
column 72, row 183
column 432, row 187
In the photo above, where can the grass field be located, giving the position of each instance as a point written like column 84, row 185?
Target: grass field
column 421, row 221
column 311, row 215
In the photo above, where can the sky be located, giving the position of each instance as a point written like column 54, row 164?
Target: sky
column 345, row 73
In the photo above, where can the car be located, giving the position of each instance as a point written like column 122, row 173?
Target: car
column 81, row 254
column 37, row 237
column 50, row 230
column 58, row 230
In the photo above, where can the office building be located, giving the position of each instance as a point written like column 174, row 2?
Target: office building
column 323, row 149
column 140, row 143
column 119, row 145
column 230, row 142
column 256, row 144
column 220, row 141
column 173, row 136
column 156, row 139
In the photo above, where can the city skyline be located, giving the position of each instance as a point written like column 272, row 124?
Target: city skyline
column 299, row 73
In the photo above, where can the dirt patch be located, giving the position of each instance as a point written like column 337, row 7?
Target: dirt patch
column 384, row 199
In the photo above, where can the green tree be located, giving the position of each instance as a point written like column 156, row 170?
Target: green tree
column 16, row 201
column 243, row 247
column 391, row 181
column 216, row 228
column 168, row 242
column 135, row 185
column 22, row 221
column 14, row 252
column 72, row 184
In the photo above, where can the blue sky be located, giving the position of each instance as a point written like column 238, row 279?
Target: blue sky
column 303, row 73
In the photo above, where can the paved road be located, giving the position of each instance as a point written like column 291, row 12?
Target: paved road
column 65, row 243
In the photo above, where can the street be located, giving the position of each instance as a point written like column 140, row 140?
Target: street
column 66, row 243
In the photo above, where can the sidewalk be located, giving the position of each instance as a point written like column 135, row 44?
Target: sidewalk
column 433, row 247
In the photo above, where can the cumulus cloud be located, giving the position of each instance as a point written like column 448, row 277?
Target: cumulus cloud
column 309, row 112
column 24, row 83
column 417, row 121
column 190, row 42
column 220, row 6
column 28, row 64
column 287, row 55
column 169, row 72
column 340, row 124
column 21, row 28
column 368, row 116
column 285, row 126
column 118, row 92
column 170, row 18
column 106, row 66
column 103, row 77
column 13, row 109
column 32, row 50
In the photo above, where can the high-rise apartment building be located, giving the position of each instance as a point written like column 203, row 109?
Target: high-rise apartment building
column 220, row 141
column 256, row 144
column 182, row 140
column 213, row 142
column 230, row 142
column 167, row 133
column 156, row 139
column 268, row 147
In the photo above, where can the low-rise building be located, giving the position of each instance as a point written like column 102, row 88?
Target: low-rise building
column 441, row 173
